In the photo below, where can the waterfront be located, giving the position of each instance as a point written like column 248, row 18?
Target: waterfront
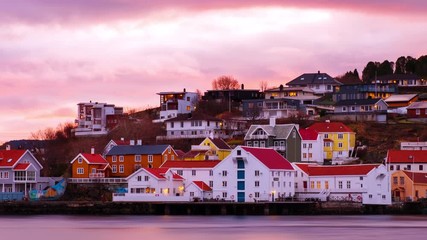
column 50, row 227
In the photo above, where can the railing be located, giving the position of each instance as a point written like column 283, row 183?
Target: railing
column 96, row 175
column 259, row 136
column 97, row 180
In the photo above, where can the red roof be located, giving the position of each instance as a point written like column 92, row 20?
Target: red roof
column 319, row 170
column 8, row 158
column 202, row 185
column 407, row 156
column 94, row 158
column 160, row 173
column 191, row 164
column 21, row 166
column 308, row 134
column 417, row 177
column 330, row 127
column 270, row 158
column 122, row 142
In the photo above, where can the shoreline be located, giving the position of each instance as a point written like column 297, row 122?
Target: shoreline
column 203, row 208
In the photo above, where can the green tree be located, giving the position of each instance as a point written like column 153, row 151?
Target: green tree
column 385, row 68
column 369, row 72
column 410, row 64
column 400, row 66
column 421, row 66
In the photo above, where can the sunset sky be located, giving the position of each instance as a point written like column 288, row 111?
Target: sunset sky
column 55, row 54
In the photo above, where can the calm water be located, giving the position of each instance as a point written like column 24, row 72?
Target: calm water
column 207, row 228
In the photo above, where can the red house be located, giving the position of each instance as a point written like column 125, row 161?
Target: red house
column 417, row 110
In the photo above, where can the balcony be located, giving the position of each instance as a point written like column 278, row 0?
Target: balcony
column 96, row 175
column 259, row 137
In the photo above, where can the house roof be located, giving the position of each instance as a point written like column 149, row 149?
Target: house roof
column 27, row 144
column 122, row 142
column 406, row 156
column 358, row 102
column 179, row 153
column 21, row 166
column 94, row 158
column 194, row 153
column 308, row 134
column 281, row 131
column 8, row 158
column 418, row 105
column 220, row 143
column 202, row 185
column 191, row 164
column 417, row 177
column 330, row 127
column 159, row 173
column 137, row 149
column 313, row 78
column 341, row 170
column 270, row 158
column 400, row 98
column 398, row 77
column 289, row 89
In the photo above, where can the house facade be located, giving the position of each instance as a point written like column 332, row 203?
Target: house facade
column 194, row 126
column 402, row 80
column 338, row 141
column 96, row 119
column 361, row 110
column 364, row 183
column 319, row 83
column 90, row 165
column 364, row 91
column 283, row 138
column 20, row 173
column 174, row 103
column 125, row 160
column 251, row 174
column 417, row 110
column 408, row 186
column 311, row 146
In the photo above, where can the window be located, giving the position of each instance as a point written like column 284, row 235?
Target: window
column 326, row 135
column 150, row 158
column 146, row 178
column 241, row 185
column 310, row 155
column 408, row 167
column 256, row 173
column 391, row 167
column 210, row 172
column 224, row 173
column 80, row 160
column 224, row 194
column 248, row 143
column 137, row 166
column 165, row 157
column 340, row 184
column 256, row 183
column 312, row 184
column 420, row 167
column 121, row 158
column 239, row 152
column 318, row 185
column 340, row 136
column 211, row 184
column 394, row 180
column 304, row 155
column 344, row 109
column 121, row 168
column 398, row 167
column 114, row 159
column 182, row 124
column 80, row 170
column 241, row 174
column 188, row 108
column 370, row 195
column 256, row 144
column 240, row 164
column 257, row 194
column 137, row 158
column 340, row 145
column 348, row 184
column 179, row 172
column 191, row 194
column 361, row 178
column 402, row 180
column 172, row 157
column 353, row 108
column 262, row 144
column 172, row 124
column 224, row 183
column 193, row 172
column 114, row 168
column 326, row 184
column 139, row 178
column 417, row 111
column 304, row 145
column 310, row 145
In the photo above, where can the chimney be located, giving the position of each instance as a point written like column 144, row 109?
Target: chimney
column 92, row 150
column 272, row 121
column 139, row 142
column 281, row 87
column 328, row 121
column 7, row 147
column 243, row 86
column 132, row 142
column 185, row 90
column 318, row 72
column 122, row 138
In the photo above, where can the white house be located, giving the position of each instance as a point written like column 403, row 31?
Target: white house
column 174, row 103
column 409, row 160
column 319, row 83
column 153, row 185
column 198, row 190
column 253, row 174
column 311, row 146
column 365, row 183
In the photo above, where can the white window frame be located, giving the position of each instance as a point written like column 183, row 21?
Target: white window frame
column 150, row 158
column 80, row 171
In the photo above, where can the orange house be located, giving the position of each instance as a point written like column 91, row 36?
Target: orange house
column 126, row 159
column 408, row 186
column 86, row 165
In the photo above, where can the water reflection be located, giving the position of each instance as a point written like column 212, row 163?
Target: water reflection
column 212, row 227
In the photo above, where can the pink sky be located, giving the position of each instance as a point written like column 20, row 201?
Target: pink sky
column 55, row 54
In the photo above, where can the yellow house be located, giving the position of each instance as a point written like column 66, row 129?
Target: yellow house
column 408, row 186
column 338, row 140
column 208, row 149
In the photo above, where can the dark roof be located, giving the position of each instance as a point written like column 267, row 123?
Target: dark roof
column 27, row 144
column 398, row 77
column 350, row 81
column 313, row 78
column 220, row 143
column 357, row 102
column 193, row 116
column 137, row 149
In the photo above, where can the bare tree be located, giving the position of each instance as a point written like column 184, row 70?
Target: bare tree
column 263, row 85
column 225, row 83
